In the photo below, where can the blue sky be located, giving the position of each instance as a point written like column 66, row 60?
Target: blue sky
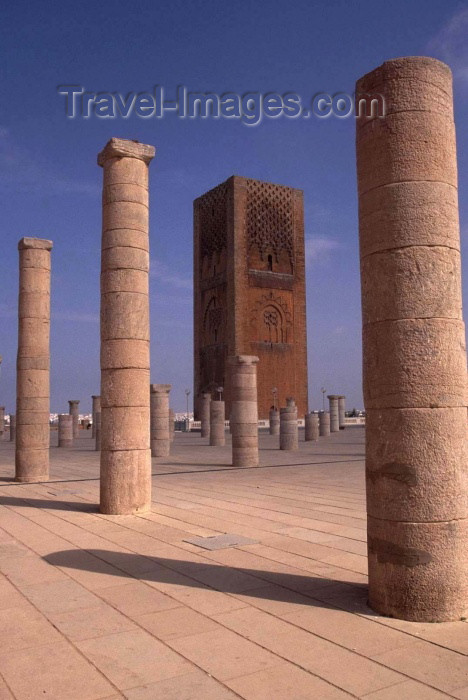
column 50, row 183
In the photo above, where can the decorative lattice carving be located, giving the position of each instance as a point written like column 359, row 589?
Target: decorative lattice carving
column 271, row 311
column 212, row 217
column 269, row 218
column 213, row 321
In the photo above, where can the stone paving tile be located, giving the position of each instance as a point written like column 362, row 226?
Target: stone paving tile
column 441, row 668
column 59, row 596
column 285, row 682
column 92, row 622
column 25, row 627
column 137, row 598
column 134, row 658
column 223, row 654
column 174, row 623
column 138, row 589
column 4, row 692
column 408, row 690
column 349, row 671
column 351, row 631
column 52, row 671
column 191, row 686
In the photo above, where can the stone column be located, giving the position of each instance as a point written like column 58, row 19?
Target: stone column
column 2, row 421
column 341, row 411
column 274, row 421
column 324, row 424
column 33, row 363
column 97, row 435
column 204, row 406
column 311, row 424
column 244, row 410
column 65, row 430
column 334, row 413
column 289, row 435
column 12, row 428
column 171, row 425
column 96, row 408
column 414, row 358
column 125, row 360
column 217, row 418
column 74, row 412
column 160, row 436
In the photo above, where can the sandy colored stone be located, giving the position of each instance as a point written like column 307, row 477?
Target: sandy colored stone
column 125, row 191
column 124, row 353
column 418, row 571
column 425, row 480
column 74, row 412
column 65, row 430
column 204, row 408
column 160, row 438
column 33, row 360
column 311, row 427
column 414, row 363
column 274, row 417
column 414, row 355
column 324, row 423
column 121, row 387
column 412, row 282
column 12, row 428
column 342, row 411
column 334, row 413
column 289, row 435
column 97, row 434
column 125, row 481
column 217, row 429
column 125, row 396
column 243, row 412
column 96, row 408
column 125, row 315
column 408, row 214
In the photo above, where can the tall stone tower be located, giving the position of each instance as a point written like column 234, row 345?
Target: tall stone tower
column 249, row 289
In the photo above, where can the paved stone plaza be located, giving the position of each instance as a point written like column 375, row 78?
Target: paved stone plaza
column 102, row 606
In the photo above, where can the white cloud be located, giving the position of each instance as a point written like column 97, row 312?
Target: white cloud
column 318, row 249
column 20, row 172
column 165, row 275
column 450, row 44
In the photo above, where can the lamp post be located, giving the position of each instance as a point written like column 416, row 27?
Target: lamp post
column 324, row 391
column 274, row 391
column 187, row 394
column 220, row 390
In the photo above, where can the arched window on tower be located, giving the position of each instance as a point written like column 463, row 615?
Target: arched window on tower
column 270, row 263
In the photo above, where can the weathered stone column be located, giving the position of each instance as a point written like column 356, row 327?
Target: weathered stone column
column 160, row 436
column 334, row 413
column 171, row 425
column 33, row 363
column 2, row 421
column 414, row 356
column 125, row 360
column 96, row 408
column 65, row 430
column 74, row 412
column 289, row 435
column 311, row 425
column 274, row 421
column 217, row 418
column 204, row 405
column 324, row 424
column 12, row 428
column 244, row 410
column 342, row 411
column 97, row 436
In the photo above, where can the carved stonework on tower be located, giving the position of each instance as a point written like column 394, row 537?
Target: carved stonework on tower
column 249, row 288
